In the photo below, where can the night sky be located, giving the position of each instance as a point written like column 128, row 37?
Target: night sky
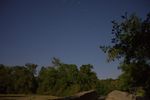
column 35, row 31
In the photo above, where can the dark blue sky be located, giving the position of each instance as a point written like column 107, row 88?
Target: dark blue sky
column 72, row 30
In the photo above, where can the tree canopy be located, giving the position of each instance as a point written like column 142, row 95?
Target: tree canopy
column 60, row 79
column 131, row 44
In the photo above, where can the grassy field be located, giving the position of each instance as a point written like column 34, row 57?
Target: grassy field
column 26, row 97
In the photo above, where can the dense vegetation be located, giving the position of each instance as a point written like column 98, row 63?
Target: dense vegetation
column 59, row 79
column 18, row 79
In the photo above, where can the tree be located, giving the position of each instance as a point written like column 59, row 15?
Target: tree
column 17, row 79
column 87, row 78
column 5, row 79
column 131, row 44
column 47, row 80
column 67, row 79
column 23, row 80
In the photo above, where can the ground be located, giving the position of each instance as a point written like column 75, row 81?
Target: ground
column 26, row 97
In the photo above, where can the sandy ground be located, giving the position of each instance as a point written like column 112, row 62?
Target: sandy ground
column 26, row 97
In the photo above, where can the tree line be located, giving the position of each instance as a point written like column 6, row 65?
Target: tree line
column 59, row 79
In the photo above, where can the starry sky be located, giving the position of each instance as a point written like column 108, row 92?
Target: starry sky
column 35, row 31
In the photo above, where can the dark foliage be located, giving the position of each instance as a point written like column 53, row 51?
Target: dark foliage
column 131, row 44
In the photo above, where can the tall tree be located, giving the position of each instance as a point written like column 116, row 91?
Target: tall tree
column 131, row 44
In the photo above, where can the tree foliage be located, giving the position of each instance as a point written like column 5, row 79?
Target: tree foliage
column 17, row 79
column 131, row 44
column 106, row 86
column 66, row 79
column 59, row 79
